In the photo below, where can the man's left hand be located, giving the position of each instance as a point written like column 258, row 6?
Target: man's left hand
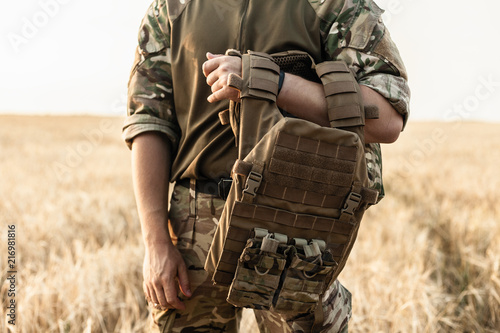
column 217, row 69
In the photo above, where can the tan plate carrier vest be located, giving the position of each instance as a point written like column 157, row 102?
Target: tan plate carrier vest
column 299, row 190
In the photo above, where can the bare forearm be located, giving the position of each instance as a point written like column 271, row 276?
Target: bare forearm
column 150, row 172
column 164, row 270
column 306, row 100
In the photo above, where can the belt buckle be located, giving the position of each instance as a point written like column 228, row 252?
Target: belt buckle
column 224, row 186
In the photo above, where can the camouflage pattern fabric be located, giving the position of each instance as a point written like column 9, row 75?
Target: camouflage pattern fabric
column 336, row 309
column 373, row 154
column 193, row 219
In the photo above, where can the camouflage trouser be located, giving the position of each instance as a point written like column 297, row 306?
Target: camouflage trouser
column 193, row 220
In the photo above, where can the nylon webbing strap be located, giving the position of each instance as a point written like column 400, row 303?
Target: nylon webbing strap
column 260, row 76
column 252, row 183
column 241, row 168
column 233, row 52
column 369, row 196
column 262, row 61
column 300, row 221
column 234, row 81
column 333, row 67
column 224, row 117
column 345, row 107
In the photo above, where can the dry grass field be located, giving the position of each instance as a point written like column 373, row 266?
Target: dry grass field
column 427, row 258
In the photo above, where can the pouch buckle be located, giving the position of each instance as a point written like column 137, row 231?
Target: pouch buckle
column 351, row 204
column 253, row 182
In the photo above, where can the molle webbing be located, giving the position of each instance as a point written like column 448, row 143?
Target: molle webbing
column 312, row 146
column 314, row 194
column 301, row 221
column 345, row 106
column 313, row 164
column 260, row 76
column 291, row 224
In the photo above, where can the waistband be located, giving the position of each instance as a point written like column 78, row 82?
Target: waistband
column 219, row 188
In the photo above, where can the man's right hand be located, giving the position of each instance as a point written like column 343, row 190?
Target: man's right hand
column 164, row 274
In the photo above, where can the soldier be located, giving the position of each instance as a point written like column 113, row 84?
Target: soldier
column 177, row 88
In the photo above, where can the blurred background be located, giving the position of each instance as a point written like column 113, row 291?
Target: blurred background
column 69, row 56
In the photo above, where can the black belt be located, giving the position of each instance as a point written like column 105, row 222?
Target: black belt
column 218, row 188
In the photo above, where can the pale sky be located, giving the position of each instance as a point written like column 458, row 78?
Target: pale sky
column 74, row 56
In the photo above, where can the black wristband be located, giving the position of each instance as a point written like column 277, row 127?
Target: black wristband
column 280, row 82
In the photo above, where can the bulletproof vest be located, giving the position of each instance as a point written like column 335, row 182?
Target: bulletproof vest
column 299, row 190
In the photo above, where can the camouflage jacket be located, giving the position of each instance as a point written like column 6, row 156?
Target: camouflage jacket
column 167, row 89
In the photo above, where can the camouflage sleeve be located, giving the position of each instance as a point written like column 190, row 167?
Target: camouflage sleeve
column 359, row 37
column 354, row 32
column 150, row 97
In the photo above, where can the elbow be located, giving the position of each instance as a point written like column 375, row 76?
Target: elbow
column 391, row 134
column 391, row 137
column 387, row 133
column 387, row 127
